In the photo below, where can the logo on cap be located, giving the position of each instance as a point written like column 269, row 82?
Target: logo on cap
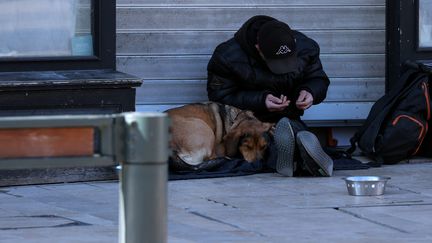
column 283, row 50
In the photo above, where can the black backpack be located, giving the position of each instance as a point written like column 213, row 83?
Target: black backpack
column 398, row 122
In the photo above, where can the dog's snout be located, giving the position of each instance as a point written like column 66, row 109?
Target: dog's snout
column 254, row 146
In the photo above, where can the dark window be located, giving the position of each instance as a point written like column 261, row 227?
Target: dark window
column 425, row 24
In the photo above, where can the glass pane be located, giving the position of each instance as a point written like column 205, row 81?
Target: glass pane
column 45, row 28
column 425, row 23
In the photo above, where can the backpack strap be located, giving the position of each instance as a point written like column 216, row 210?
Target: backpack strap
column 419, row 66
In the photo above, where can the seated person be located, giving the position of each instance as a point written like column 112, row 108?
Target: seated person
column 275, row 72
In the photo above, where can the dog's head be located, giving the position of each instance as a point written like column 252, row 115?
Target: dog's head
column 247, row 135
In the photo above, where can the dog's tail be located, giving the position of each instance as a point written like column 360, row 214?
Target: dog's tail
column 176, row 163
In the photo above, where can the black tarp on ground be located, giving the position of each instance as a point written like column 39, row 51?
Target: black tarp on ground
column 224, row 167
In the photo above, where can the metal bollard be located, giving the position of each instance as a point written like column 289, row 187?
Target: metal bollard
column 143, row 179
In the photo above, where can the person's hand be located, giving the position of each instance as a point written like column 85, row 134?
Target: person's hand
column 305, row 100
column 274, row 103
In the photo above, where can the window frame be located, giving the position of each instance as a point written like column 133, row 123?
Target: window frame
column 402, row 39
column 104, row 44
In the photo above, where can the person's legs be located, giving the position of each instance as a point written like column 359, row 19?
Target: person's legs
column 314, row 159
column 297, row 152
column 284, row 152
column 284, row 138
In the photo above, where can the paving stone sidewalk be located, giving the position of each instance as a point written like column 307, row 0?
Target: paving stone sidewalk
column 257, row 208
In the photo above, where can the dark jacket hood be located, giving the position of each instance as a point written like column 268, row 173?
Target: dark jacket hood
column 246, row 36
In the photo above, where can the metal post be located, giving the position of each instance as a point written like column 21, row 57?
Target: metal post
column 143, row 179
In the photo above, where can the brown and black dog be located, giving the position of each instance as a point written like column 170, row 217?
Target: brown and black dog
column 205, row 131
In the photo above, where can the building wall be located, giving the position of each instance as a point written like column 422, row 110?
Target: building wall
column 169, row 42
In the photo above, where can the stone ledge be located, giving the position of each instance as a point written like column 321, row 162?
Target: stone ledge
column 63, row 79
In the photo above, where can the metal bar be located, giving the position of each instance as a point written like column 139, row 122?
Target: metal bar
column 55, row 162
column 103, row 123
column 143, row 179
column 56, row 121
column 137, row 140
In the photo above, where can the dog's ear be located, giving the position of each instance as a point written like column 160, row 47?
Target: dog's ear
column 231, row 140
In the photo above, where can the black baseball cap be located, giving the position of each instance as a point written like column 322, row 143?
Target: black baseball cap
column 278, row 45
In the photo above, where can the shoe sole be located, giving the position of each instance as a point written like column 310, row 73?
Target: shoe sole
column 284, row 139
column 309, row 142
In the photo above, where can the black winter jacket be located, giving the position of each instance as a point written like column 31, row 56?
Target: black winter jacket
column 238, row 76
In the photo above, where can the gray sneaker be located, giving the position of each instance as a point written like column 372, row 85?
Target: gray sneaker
column 285, row 144
column 315, row 160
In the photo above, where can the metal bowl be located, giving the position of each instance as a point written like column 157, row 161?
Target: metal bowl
column 366, row 185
